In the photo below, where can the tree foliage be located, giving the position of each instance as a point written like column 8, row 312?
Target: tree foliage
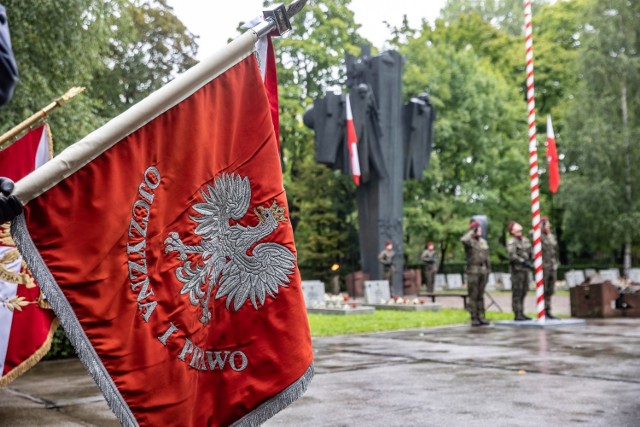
column 603, row 127
column 479, row 161
column 119, row 50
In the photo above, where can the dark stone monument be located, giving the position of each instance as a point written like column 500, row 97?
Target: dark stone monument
column 394, row 143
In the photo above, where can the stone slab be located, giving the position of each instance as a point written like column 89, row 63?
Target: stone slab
column 504, row 281
column 491, row 282
column 454, row 281
column 610, row 274
column 634, row 275
column 407, row 307
column 347, row 311
column 376, row 291
column 441, row 282
column 313, row 291
column 574, row 277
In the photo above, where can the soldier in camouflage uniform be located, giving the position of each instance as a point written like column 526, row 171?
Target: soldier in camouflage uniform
column 519, row 249
column 477, row 253
column 428, row 257
column 549, row 264
column 386, row 259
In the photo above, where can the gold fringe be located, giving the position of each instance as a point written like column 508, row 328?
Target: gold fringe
column 33, row 359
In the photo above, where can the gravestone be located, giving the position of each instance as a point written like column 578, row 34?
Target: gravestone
column 589, row 272
column 376, row 291
column 505, row 281
column 491, row 282
column 313, row 291
column 454, row 281
column 441, row 282
column 610, row 274
column 634, row 275
column 574, row 278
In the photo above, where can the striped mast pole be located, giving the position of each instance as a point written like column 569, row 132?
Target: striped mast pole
column 533, row 163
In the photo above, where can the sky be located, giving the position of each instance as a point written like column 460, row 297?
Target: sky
column 216, row 21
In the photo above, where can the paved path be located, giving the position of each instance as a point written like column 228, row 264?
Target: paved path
column 455, row 376
column 559, row 303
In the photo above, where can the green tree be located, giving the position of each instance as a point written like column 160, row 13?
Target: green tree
column 119, row 50
column 152, row 48
column 601, row 210
column 479, row 163
column 56, row 45
column 506, row 15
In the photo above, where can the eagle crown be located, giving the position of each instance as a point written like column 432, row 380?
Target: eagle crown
column 274, row 211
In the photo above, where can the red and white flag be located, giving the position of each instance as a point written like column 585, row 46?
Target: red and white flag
column 162, row 240
column 552, row 158
column 267, row 63
column 352, row 143
column 27, row 323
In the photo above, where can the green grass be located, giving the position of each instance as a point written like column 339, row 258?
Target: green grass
column 323, row 325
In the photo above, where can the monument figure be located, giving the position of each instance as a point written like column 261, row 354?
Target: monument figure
column 394, row 143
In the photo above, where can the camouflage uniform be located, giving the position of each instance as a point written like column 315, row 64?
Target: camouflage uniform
column 428, row 256
column 549, row 268
column 386, row 259
column 477, row 254
column 519, row 256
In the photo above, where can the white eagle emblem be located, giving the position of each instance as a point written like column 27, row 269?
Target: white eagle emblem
column 228, row 255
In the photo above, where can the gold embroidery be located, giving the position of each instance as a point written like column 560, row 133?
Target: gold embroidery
column 10, row 256
column 16, row 303
column 18, row 278
column 5, row 235
column 42, row 302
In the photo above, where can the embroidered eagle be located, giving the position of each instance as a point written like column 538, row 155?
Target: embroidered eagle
column 229, row 254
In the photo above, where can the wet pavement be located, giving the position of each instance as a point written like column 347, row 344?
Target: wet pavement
column 584, row 375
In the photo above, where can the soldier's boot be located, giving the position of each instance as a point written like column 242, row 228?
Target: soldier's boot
column 520, row 316
column 548, row 314
column 475, row 321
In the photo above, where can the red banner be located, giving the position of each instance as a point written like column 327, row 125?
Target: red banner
column 175, row 267
column 352, row 143
column 552, row 158
column 27, row 323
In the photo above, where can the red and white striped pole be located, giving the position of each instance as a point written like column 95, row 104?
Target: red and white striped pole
column 533, row 163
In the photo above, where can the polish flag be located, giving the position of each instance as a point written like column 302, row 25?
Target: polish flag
column 552, row 158
column 27, row 323
column 352, row 143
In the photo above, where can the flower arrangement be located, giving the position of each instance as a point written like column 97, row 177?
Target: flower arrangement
column 339, row 302
column 403, row 301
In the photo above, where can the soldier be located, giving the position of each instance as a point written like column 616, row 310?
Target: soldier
column 519, row 248
column 477, row 254
column 549, row 264
column 428, row 256
column 386, row 259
